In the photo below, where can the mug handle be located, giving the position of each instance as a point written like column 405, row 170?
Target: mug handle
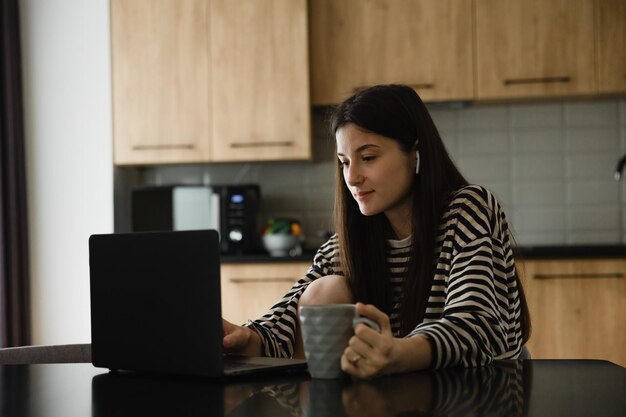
column 368, row 322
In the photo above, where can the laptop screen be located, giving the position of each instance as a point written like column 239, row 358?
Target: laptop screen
column 155, row 302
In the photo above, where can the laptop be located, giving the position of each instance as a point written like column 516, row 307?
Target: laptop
column 156, row 306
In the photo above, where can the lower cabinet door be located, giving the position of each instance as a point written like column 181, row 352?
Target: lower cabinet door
column 578, row 309
column 250, row 290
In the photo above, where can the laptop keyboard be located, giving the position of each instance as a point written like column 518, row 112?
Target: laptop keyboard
column 230, row 365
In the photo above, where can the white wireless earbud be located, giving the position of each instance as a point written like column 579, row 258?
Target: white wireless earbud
column 417, row 164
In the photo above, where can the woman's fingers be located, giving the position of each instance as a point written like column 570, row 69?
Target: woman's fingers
column 360, row 347
column 373, row 313
column 369, row 353
column 235, row 337
column 228, row 329
column 241, row 340
column 358, row 365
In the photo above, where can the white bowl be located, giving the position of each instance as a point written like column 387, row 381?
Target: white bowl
column 280, row 244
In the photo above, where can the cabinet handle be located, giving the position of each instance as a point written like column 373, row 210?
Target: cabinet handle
column 422, row 86
column 598, row 275
column 162, row 147
column 539, row 80
column 419, row 86
column 259, row 144
column 255, row 280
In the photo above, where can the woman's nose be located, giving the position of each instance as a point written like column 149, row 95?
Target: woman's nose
column 353, row 175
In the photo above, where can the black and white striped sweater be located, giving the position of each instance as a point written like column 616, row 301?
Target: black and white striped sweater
column 473, row 315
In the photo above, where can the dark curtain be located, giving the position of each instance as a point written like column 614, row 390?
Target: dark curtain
column 14, row 279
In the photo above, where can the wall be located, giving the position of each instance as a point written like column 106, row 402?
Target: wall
column 550, row 164
column 65, row 47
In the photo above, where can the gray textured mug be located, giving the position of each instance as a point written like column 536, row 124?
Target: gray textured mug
column 326, row 330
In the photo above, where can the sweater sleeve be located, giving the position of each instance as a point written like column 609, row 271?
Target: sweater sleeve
column 481, row 313
column 277, row 327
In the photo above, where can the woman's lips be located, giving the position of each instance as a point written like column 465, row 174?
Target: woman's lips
column 361, row 195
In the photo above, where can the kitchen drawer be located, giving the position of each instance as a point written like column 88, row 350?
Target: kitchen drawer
column 249, row 290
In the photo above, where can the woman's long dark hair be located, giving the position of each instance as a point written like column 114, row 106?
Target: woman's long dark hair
column 397, row 112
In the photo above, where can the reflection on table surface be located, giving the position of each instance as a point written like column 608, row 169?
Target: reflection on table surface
column 503, row 389
column 506, row 388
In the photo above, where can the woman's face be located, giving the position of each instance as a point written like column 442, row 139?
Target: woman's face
column 377, row 172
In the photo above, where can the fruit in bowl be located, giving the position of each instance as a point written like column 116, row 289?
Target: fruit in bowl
column 283, row 237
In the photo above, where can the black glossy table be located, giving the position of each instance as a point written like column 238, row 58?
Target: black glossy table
column 508, row 388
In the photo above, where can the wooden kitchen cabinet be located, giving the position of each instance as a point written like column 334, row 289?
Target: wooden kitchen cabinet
column 611, row 45
column 423, row 43
column 534, row 48
column 210, row 80
column 161, row 81
column 578, row 308
column 249, row 290
column 261, row 80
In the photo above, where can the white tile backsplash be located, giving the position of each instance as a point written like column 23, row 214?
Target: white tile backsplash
column 490, row 142
column 583, row 139
column 283, row 174
column 600, row 166
column 592, row 114
column 540, row 219
column 320, row 198
column 175, row 174
column 538, row 167
column 483, row 118
column 478, row 169
column 594, row 218
column 593, row 192
column 450, row 141
column 322, row 173
column 593, row 237
column 549, row 164
column 537, row 116
column 537, row 141
column 528, row 237
column 540, row 194
column 444, row 119
column 230, row 173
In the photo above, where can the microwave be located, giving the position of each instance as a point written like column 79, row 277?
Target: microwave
column 232, row 210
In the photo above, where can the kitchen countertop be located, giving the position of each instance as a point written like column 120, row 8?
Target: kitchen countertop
column 263, row 257
column 506, row 388
column 572, row 252
column 524, row 252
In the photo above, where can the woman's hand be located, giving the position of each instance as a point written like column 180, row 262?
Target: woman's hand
column 370, row 353
column 241, row 340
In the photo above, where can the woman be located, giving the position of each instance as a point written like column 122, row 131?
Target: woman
column 422, row 252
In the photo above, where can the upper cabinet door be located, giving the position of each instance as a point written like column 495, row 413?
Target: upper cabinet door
column 160, row 71
column 423, row 43
column 534, row 48
column 611, row 46
column 260, row 80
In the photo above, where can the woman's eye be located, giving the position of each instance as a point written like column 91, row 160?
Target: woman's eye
column 342, row 164
column 369, row 158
